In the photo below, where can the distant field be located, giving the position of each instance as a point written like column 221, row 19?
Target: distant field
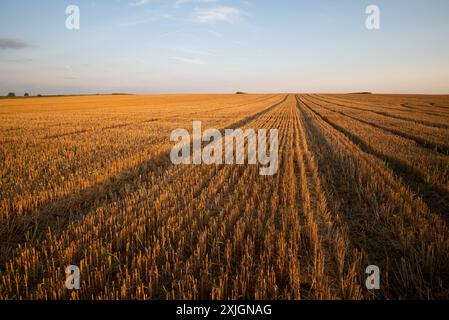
column 87, row 180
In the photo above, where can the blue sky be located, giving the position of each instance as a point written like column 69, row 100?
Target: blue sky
column 212, row 46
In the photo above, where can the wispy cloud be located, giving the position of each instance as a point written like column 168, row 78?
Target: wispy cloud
column 147, row 20
column 179, row 3
column 137, row 22
column 139, row 3
column 197, row 52
column 188, row 61
column 218, row 14
column 6, row 43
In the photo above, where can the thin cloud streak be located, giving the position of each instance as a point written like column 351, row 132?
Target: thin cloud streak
column 179, row 3
column 139, row 3
column 6, row 43
column 147, row 20
column 198, row 52
column 218, row 14
column 188, row 61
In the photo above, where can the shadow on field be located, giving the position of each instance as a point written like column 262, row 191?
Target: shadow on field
column 56, row 214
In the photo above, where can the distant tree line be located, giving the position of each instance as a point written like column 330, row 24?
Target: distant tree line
column 26, row 94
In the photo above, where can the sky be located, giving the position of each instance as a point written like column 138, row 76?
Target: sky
column 223, row 46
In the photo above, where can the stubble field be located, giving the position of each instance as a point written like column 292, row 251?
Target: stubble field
column 87, row 181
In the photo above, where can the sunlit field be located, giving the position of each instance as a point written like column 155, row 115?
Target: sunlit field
column 87, row 181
